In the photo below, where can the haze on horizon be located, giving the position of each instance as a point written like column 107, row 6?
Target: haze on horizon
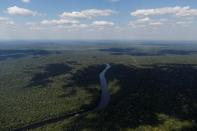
column 98, row 19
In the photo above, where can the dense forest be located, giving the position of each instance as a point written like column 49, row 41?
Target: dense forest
column 152, row 86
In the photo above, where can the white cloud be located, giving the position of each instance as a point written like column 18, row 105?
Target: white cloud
column 143, row 20
column 164, row 16
column 26, row 1
column 102, row 23
column 140, row 22
column 177, row 11
column 59, row 22
column 87, row 14
column 79, row 26
column 15, row 10
column 7, row 21
column 73, row 26
column 70, row 20
column 156, row 23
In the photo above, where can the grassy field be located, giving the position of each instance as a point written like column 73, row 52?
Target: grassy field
column 152, row 85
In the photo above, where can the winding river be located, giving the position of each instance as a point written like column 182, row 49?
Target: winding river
column 105, row 95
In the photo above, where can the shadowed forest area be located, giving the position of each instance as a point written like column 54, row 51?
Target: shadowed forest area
column 144, row 99
column 14, row 54
column 50, row 71
column 87, row 76
column 88, row 79
column 137, row 52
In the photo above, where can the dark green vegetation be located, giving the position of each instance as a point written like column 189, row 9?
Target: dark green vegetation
column 152, row 85
column 145, row 99
column 14, row 54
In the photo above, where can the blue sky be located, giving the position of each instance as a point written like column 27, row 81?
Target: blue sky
column 98, row 19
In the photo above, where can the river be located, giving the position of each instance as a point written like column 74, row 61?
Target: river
column 105, row 95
